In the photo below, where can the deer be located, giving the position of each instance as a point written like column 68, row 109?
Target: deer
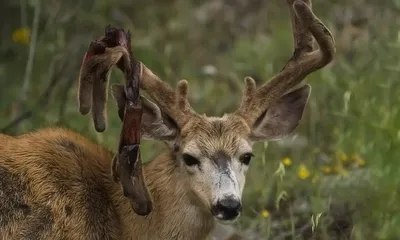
column 58, row 184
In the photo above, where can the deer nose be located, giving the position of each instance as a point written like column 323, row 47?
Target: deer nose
column 228, row 208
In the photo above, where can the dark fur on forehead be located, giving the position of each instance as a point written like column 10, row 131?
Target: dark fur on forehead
column 221, row 159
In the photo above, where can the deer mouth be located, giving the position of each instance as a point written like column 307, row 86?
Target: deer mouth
column 223, row 219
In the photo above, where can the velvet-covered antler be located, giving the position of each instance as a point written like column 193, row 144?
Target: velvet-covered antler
column 304, row 61
column 114, row 49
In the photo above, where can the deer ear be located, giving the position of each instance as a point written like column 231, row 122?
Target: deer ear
column 281, row 119
column 155, row 124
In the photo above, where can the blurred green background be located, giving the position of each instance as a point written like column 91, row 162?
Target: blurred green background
column 338, row 177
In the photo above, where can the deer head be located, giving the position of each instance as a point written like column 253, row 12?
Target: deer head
column 213, row 153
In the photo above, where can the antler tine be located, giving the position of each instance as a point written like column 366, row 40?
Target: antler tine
column 94, row 78
column 303, row 62
column 182, row 95
column 173, row 102
column 302, row 37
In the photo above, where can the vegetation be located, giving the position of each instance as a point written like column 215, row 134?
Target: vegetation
column 337, row 178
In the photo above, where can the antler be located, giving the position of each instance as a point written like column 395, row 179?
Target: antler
column 303, row 62
column 174, row 102
column 114, row 49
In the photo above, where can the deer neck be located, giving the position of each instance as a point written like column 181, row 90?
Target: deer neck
column 175, row 213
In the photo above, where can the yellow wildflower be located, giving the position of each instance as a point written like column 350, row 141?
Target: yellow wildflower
column 360, row 161
column 22, row 35
column 265, row 213
column 303, row 172
column 287, row 161
column 327, row 169
column 340, row 170
column 344, row 157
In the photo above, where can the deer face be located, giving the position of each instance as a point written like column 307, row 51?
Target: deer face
column 214, row 153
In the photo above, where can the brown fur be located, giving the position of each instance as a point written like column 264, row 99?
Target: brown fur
column 55, row 184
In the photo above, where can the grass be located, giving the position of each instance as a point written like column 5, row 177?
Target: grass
column 337, row 178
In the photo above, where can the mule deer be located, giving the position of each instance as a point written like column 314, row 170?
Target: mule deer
column 56, row 184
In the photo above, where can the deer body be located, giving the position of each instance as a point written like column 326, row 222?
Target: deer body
column 56, row 184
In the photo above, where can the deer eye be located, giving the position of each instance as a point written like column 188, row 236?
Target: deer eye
column 190, row 160
column 245, row 158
